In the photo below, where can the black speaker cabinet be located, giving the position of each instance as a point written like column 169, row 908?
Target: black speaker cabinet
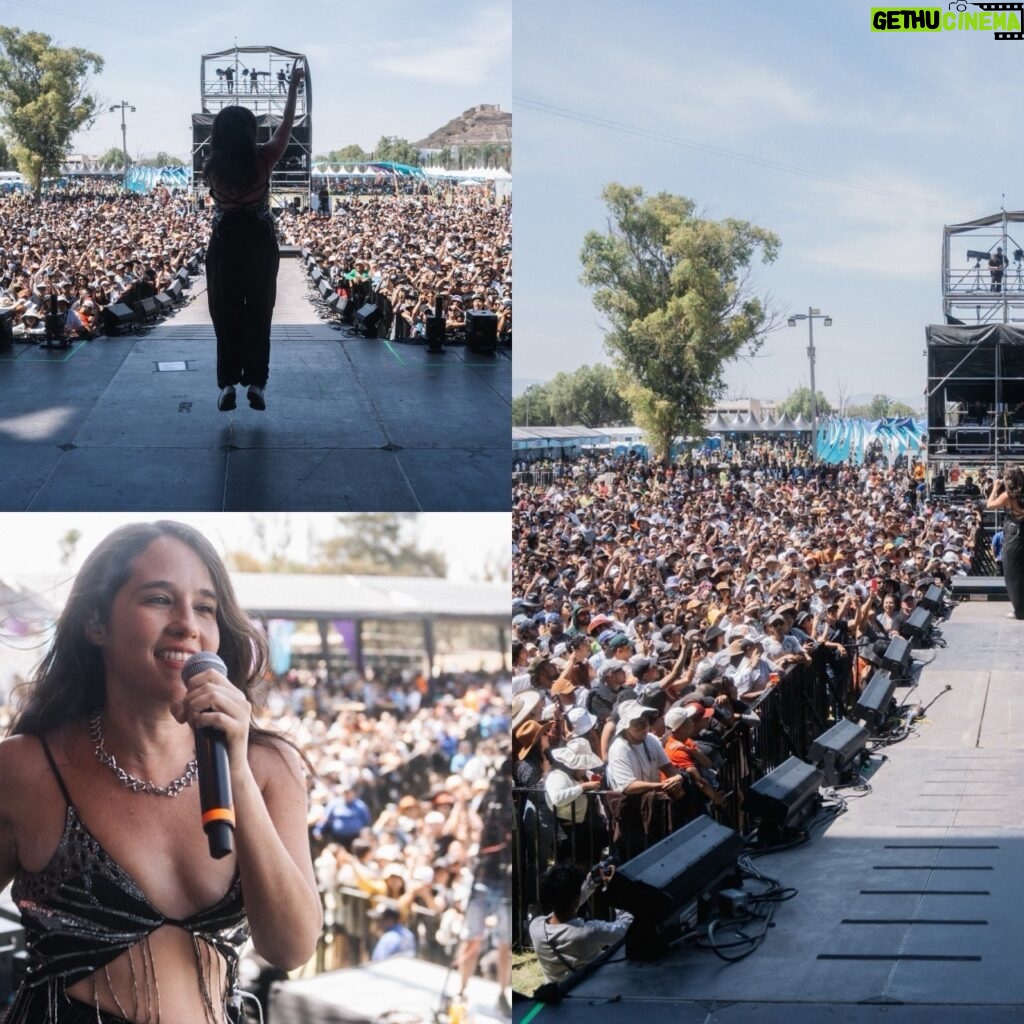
column 116, row 316
column 663, row 880
column 481, row 330
column 784, row 796
column 435, row 333
column 874, row 700
column 837, row 749
column 6, row 330
column 367, row 319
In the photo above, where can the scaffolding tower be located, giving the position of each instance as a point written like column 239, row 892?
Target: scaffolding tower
column 257, row 77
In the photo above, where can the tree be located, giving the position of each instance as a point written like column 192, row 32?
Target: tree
column 676, row 292
column 532, row 407
column 43, row 99
column 162, row 159
column 114, row 157
column 589, row 396
column 346, row 154
column 7, row 161
column 880, row 407
column 374, row 543
column 798, row 403
column 399, row 151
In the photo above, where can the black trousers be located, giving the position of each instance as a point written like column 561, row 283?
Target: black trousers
column 241, row 287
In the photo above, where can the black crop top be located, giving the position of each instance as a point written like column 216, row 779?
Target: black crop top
column 83, row 910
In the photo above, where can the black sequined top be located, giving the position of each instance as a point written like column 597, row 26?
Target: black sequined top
column 83, row 910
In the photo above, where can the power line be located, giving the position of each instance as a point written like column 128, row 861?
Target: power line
column 683, row 143
column 150, row 34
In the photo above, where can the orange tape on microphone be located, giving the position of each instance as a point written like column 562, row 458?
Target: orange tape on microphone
column 219, row 814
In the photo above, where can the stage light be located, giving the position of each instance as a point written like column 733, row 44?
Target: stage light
column 973, row 254
column 662, row 885
column 784, row 798
column 933, row 600
column 897, row 656
column 875, row 699
column 838, row 750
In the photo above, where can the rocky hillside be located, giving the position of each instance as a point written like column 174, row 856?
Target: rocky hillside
column 486, row 123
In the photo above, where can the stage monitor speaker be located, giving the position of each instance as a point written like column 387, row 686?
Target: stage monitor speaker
column 918, row 627
column 193, row 265
column 316, row 274
column 435, row 333
column 663, row 880
column 875, row 699
column 174, row 290
column 6, row 330
column 338, row 302
column 326, row 291
column 897, row 656
column 164, row 301
column 183, row 277
column 481, row 330
column 837, row 750
column 146, row 309
column 933, row 600
column 367, row 318
column 116, row 316
column 785, row 796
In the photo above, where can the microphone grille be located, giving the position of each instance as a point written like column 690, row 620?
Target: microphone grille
column 200, row 662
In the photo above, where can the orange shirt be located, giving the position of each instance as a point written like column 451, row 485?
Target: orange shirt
column 679, row 752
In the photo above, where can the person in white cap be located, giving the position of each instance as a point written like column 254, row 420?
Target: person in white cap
column 636, row 760
column 577, row 771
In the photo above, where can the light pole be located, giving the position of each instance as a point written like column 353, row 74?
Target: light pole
column 124, row 106
column 810, row 316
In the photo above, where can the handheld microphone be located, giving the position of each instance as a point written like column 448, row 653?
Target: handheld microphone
column 214, row 776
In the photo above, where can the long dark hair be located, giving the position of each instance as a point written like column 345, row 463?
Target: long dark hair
column 232, row 162
column 70, row 682
column 1013, row 477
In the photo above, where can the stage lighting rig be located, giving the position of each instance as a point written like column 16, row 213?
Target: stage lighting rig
column 974, row 254
column 840, row 751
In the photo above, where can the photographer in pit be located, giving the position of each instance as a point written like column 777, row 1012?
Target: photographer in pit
column 562, row 940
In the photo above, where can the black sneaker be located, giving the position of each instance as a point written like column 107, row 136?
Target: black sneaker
column 226, row 399
column 256, row 399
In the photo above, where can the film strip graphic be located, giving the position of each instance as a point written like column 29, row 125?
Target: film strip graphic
column 1018, row 7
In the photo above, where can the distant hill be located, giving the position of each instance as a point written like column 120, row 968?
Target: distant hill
column 478, row 126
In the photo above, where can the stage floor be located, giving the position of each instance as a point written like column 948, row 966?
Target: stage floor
column 909, row 907
column 352, row 423
column 400, row 991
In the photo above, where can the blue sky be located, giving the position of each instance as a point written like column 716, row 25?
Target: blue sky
column 386, row 68
column 933, row 117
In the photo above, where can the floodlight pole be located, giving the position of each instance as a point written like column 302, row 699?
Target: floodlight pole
column 810, row 316
column 124, row 105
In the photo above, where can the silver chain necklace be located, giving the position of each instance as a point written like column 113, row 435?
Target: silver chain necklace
column 137, row 785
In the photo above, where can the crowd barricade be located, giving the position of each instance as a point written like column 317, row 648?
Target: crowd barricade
column 792, row 715
column 539, row 477
column 348, row 936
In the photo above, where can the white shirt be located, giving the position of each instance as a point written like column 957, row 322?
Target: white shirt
column 632, row 762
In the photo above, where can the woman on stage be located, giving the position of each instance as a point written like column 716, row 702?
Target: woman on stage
column 242, row 258
column 1009, row 495
column 128, row 918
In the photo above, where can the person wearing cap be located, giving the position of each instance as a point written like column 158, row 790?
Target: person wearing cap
column 782, row 649
column 576, row 771
column 611, row 678
column 752, row 672
column 682, row 723
column 395, row 939
column 636, row 760
column 562, row 940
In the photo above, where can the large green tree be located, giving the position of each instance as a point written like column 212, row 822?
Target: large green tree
column 114, row 157
column 879, row 408
column 44, row 99
column 798, row 403
column 588, row 395
column 400, row 151
column 346, row 153
column 676, row 291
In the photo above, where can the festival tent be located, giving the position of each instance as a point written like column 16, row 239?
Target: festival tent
column 785, row 425
column 716, row 425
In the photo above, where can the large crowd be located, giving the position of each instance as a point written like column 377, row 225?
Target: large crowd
column 86, row 246
column 652, row 602
column 81, row 248
column 453, row 243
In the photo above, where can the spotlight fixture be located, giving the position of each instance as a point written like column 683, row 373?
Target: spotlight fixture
column 784, row 798
column 918, row 627
column 932, row 600
column 974, row 254
column 897, row 656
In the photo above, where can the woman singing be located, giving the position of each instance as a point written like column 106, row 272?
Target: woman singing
column 127, row 916
column 242, row 258
column 1010, row 496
